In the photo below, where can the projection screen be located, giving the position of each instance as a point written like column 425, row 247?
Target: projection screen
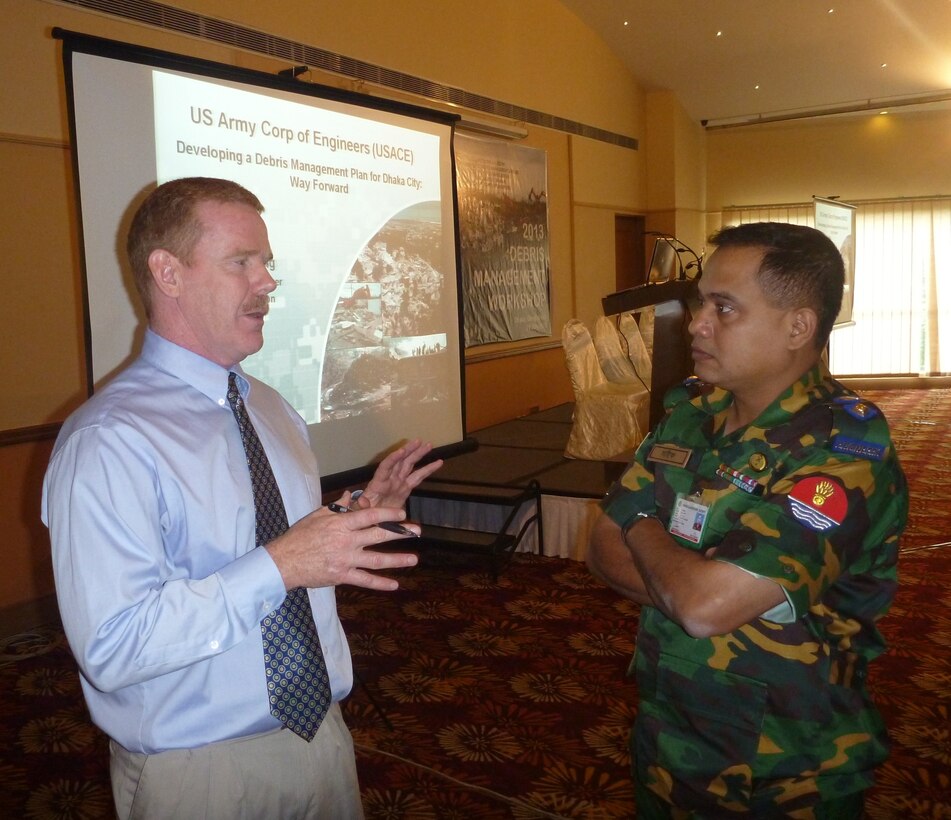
column 363, row 334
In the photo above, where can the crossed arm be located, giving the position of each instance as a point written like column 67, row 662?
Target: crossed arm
column 705, row 596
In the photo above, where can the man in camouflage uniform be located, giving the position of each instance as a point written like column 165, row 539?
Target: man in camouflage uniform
column 758, row 525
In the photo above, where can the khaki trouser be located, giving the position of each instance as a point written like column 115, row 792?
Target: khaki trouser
column 264, row 777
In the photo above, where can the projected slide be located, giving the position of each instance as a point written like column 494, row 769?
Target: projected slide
column 343, row 198
column 363, row 330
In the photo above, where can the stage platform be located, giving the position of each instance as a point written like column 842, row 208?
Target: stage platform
column 512, row 454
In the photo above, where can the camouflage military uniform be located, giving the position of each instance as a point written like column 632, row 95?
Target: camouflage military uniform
column 773, row 717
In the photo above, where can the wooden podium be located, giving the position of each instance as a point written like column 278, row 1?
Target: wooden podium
column 671, row 361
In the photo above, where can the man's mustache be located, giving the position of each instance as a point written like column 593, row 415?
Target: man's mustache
column 258, row 305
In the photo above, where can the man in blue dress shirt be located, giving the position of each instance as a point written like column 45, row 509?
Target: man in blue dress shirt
column 151, row 514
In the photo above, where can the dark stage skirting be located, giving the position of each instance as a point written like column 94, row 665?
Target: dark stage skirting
column 514, row 453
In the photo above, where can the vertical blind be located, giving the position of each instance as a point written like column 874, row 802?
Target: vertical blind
column 902, row 307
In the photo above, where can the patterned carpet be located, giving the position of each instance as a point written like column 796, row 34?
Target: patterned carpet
column 508, row 699
column 513, row 693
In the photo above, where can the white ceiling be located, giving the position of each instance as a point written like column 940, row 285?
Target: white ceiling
column 801, row 56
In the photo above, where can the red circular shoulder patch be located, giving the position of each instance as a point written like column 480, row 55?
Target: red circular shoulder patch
column 818, row 502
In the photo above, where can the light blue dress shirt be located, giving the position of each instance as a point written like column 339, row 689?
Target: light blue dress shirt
column 161, row 588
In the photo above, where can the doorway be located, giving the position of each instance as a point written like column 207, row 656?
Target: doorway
column 630, row 268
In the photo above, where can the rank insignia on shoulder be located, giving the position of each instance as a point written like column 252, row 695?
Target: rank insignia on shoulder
column 857, row 408
column 818, row 502
column 854, row 447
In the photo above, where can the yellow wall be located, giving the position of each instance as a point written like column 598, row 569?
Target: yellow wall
column 533, row 53
column 676, row 171
column 606, row 180
column 900, row 154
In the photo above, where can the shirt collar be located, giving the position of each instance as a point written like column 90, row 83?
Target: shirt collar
column 203, row 374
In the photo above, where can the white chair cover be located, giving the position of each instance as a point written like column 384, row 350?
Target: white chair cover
column 610, row 419
column 646, row 325
column 581, row 357
column 614, row 361
column 637, row 349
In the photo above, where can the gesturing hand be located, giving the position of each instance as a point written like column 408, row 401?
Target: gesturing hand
column 397, row 476
column 326, row 549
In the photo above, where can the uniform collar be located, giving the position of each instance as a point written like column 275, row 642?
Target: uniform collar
column 794, row 398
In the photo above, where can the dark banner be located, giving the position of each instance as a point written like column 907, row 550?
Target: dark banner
column 503, row 228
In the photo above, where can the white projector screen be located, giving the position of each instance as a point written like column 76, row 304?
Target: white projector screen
column 363, row 334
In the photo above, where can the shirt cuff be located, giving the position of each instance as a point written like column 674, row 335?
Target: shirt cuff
column 254, row 580
column 784, row 612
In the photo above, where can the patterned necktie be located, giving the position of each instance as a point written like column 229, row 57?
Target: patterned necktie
column 297, row 681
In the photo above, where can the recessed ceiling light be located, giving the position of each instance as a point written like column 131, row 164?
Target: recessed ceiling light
column 884, row 65
column 625, row 22
column 831, row 11
column 719, row 34
column 756, row 87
